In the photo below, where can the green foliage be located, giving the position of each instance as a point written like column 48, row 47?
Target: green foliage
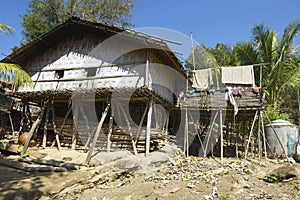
column 276, row 113
column 271, row 177
column 20, row 77
column 210, row 57
column 6, row 30
column 43, row 15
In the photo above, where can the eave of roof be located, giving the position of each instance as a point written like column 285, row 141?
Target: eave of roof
column 57, row 34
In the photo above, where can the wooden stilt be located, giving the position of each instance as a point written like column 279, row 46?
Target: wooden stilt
column 197, row 132
column 186, row 133
column 11, row 125
column 46, row 126
column 258, row 137
column 74, row 139
column 250, row 134
column 264, row 137
column 86, row 124
column 209, row 134
column 236, row 138
column 54, row 127
column 155, row 117
column 167, row 122
column 65, row 119
column 31, row 132
column 22, row 120
column 138, row 132
column 129, row 129
column 28, row 114
column 148, row 131
column 91, row 149
column 74, row 133
column 221, row 136
column 110, row 129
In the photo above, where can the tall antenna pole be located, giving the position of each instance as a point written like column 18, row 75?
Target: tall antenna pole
column 193, row 52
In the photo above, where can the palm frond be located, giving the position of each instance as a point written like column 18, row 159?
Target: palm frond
column 14, row 73
column 6, row 29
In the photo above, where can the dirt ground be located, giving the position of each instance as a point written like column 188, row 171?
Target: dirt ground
column 164, row 174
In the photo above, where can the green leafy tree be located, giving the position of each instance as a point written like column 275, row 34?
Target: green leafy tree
column 281, row 69
column 204, row 59
column 43, row 15
column 13, row 72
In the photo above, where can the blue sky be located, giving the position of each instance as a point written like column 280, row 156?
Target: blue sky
column 210, row 21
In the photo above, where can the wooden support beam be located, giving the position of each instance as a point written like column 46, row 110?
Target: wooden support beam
column 129, row 129
column 44, row 142
column 148, row 131
column 65, row 119
column 250, row 134
column 74, row 140
column 75, row 111
column 258, row 137
column 86, row 124
column 197, row 132
column 11, row 125
column 54, row 126
column 186, row 134
column 147, row 69
column 110, row 128
column 96, row 135
column 264, row 137
column 32, row 130
column 209, row 134
column 141, row 123
column 221, row 136
column 166, row 126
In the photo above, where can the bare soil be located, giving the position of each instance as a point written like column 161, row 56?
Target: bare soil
column 165, row 174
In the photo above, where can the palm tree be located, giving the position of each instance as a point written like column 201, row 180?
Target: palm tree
column 13, row 72
column 281, row 69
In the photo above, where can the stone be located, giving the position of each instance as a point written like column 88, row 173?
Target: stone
column 174, row 190
column 285, row 172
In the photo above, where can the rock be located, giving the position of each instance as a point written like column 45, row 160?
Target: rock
column 247, row 186
column 190, row 185
column 285, row 172
column 174, row 190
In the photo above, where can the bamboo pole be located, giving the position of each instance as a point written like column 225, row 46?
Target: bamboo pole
column 54, row 127
column 141, row 123
column 167, row 122
column 197, row 132
column 221, row 135
column 186, row 132
column 129, row 129
column 110, row 129
column 35, row 124
column 209, row 133
column 65, row 119
column 147, row 68
column 258, row 133
column 12, row 125
column 44, row 142
column 91, row 149
column 264, row 137
column 148, row 131
column 250, row 134
column 75, row 120
column 86, row 124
